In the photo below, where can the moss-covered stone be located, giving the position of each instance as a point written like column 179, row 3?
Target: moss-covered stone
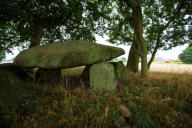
column 102, row 77
column 119, row 68
column 18, row 71
column 66, row 55
column 50, row 76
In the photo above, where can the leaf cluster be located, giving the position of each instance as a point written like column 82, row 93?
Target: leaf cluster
column 2, row 56
column 166, row 22
column 169, row 21
column 60, row 20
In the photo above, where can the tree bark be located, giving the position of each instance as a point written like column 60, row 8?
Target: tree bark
column 154, row 52
column 133, row 59
column 139, row 40
column 36, row 36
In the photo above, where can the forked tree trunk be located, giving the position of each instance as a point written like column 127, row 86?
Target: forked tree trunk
column 138, row 32
column 133, row 59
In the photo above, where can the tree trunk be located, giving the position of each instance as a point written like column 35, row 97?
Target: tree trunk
column 155, row 51
column 133, row 59
column 36, row 36
column 144, row 66
column 152, row 58
column 139, row 40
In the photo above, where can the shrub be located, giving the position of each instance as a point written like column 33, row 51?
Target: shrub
column 2, row 56
column 186, row 56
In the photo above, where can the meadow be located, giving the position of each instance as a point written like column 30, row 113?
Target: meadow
column 162, row 100
column 171, row 67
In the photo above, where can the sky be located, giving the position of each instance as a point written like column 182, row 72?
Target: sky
column 170, row 54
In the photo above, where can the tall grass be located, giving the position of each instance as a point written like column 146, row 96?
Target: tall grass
column 162, row 100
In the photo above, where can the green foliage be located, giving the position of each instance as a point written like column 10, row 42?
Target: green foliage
column 165, row 25
column 170, row 21
column 186, row 56
column 2, row 56
column 57, row 20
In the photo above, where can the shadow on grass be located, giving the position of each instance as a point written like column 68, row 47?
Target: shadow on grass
column 161, row 100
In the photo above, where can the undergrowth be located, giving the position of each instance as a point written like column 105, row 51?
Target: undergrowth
column 158, row 101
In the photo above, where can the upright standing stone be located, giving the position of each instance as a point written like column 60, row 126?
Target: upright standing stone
column 119, row 68
column 102, row 77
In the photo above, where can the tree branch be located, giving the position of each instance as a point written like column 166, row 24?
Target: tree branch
column 154, row 52
column 119, row 26
column 125, row 38
column 175, row 15
column 26, row 5
column 132, row 3
column 51, row 23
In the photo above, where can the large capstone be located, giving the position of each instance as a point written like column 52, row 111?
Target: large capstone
column 66, row 55
column 102, row 77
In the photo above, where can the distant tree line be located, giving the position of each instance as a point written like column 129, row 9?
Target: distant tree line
column 186, row 55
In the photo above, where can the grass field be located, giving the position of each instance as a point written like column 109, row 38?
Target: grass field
column 155, row 67
column 169, row 67
column 162, row 100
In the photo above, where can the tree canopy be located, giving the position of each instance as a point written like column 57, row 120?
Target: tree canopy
column 147, row 25
column 166, row 24
column 44, row 21
column 171, row 20
column 127, row 26
column 186, row 56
